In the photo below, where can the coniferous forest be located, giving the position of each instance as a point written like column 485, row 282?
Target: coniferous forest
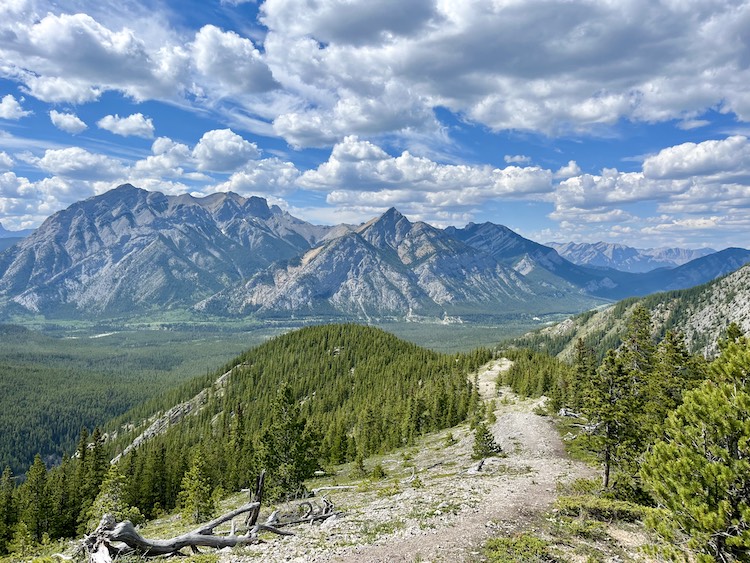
column 669, row 430
column 317, row 396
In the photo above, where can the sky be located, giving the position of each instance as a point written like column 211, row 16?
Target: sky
column 617, row 120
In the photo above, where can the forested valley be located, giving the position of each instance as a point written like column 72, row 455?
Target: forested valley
column 668, row 430
column 105, row 372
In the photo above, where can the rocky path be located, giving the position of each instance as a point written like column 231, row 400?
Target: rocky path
column 449, row 509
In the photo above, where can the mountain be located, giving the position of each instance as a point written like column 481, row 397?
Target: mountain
column 131, row 250
column 392, row 268
column 626, row 258
column 531, row 258
column 701, row 313
column 9, row 238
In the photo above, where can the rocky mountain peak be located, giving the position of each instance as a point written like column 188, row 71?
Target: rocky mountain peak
column 386, row 231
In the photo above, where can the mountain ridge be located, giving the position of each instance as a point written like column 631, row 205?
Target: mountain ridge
column 626, row 258
column 130, row 251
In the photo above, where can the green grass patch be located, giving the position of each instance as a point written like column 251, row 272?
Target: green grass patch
column 598, row 508
column 523, row 548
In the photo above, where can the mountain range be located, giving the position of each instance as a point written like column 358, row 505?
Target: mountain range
column 131, row 251
column 626, row 258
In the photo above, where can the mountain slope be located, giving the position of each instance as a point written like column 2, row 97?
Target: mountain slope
column 130, row 250
column 701, row 313
column 626, row 258
column 393, row 268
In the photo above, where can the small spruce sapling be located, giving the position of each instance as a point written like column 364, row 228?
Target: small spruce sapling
column 484, row 443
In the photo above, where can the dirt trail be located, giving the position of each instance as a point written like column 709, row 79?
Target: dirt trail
column 453, row 508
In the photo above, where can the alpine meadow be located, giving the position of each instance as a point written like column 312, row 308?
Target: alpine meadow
column 369, row 281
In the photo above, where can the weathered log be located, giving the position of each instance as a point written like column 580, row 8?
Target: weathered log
column 112, row 539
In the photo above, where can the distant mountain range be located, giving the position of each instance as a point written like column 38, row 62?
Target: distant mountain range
column 626, row 258
column 9, row 238
column 130, row 252
column 5, row 233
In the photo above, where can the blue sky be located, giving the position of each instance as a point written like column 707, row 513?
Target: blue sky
column 580, row 120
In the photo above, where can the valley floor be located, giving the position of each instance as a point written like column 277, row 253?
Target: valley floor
column 433, row 504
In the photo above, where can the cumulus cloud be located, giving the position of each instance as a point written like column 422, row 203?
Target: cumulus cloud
column 361, row 174
column 10, row 108
column 591, row 66
column 168, row 160
column 68, row 122
column 5, row 160
column 223, row 150
column 517, row 159
column 73, row 57
column 135, row 125
column 725, row 158
column 79, row 164
column 231, row 62
column 269, row 176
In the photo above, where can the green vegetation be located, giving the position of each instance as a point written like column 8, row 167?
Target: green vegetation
column 524, row 548
column 670, row 430
column 52, row 386
column 325, row 394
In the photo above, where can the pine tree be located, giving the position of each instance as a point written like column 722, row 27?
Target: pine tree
column 287, row 449
column 701, row 471
column 609, row 409
column 112, row 500
column 484, row 443
column 8, row 509
column 195, row 498
column 35, row 508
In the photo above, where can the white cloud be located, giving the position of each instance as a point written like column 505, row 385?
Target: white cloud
column 10, row 108
column 569, row 170
column 5, row 160
column 79, row 164
column 135, row 125
column 270, row 176
column 359, row 174
column 511, row 65
column 73, row 57
column 723, row 158
column 222, row 150
column 168, row 160
column 517, row 159
column 68, row 122
column 230, row 62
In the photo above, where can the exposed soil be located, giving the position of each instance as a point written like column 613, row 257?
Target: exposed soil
column 435, row 504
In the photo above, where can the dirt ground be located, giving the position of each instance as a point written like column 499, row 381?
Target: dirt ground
column 435, row 504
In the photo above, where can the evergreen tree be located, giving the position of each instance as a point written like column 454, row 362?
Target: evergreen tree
column 35, row 507
column 195, row 499
column 63, row 510
column 674, row 372
column 112, row 500
column 287, row 449
column 609, row 409
column 484, row 443
column 700, row 471
column 8, row 509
